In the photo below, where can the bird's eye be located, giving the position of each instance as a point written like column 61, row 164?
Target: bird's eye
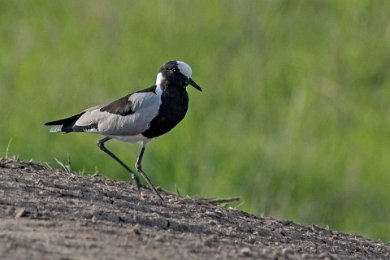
column 174, row 70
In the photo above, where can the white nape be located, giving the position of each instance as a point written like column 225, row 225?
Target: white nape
column 160, row 78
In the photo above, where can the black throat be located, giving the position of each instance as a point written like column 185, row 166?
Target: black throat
column 173, row 108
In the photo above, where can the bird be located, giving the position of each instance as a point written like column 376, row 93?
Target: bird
column 140, row 116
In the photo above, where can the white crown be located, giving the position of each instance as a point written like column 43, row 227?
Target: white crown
column 184, row 68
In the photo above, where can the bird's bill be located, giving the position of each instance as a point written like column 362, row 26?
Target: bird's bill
column 193, row 83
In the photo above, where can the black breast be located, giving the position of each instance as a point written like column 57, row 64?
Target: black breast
column 174, row 105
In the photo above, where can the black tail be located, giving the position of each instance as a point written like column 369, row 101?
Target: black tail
column 66, row 123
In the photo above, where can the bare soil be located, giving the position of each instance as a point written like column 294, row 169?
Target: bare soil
column 53, row 214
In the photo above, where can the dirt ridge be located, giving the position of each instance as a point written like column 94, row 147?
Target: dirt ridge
column 49, row 213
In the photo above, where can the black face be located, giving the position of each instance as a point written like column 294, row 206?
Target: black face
column 172, row 73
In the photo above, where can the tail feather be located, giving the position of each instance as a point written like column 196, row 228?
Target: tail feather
column 56, row 129
column 64, row 125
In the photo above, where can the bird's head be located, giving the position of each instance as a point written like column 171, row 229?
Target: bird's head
column 178, row 73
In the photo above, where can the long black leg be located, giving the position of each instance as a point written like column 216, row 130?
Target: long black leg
column 134, row 176
column 138, row 166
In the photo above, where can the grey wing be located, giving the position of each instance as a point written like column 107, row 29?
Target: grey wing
column 126, row 116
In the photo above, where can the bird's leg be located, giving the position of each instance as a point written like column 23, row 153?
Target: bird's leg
column 138, row 166
column 134, row 176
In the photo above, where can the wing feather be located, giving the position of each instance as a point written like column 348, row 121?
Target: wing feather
column 144, row 107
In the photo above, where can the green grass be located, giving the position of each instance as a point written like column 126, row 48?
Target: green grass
column 294, row 117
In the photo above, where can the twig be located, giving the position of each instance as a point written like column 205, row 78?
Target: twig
column 221, row 200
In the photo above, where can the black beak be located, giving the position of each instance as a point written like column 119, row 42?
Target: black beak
column 193, row 83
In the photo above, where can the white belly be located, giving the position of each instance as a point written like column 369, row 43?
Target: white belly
column 131, row 138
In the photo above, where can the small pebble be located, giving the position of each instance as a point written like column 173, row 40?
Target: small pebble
column 158, row 238
column 136, row 230
column 245, row 251
column 252, row 240
column 143, row 195
column 213, row 222
column 287, row 251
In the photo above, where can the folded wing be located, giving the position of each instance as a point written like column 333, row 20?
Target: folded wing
column 127, row 116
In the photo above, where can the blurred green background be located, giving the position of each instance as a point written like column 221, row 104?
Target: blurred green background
column 294, row 117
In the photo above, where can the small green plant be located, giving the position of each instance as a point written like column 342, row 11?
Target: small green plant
column 7, row 149
column 65, row 166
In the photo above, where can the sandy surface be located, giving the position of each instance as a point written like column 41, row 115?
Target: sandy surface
column 52, row 214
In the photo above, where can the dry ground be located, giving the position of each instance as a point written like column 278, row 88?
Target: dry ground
column 52, row 214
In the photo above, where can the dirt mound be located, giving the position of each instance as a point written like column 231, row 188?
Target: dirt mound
column 49, row 214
